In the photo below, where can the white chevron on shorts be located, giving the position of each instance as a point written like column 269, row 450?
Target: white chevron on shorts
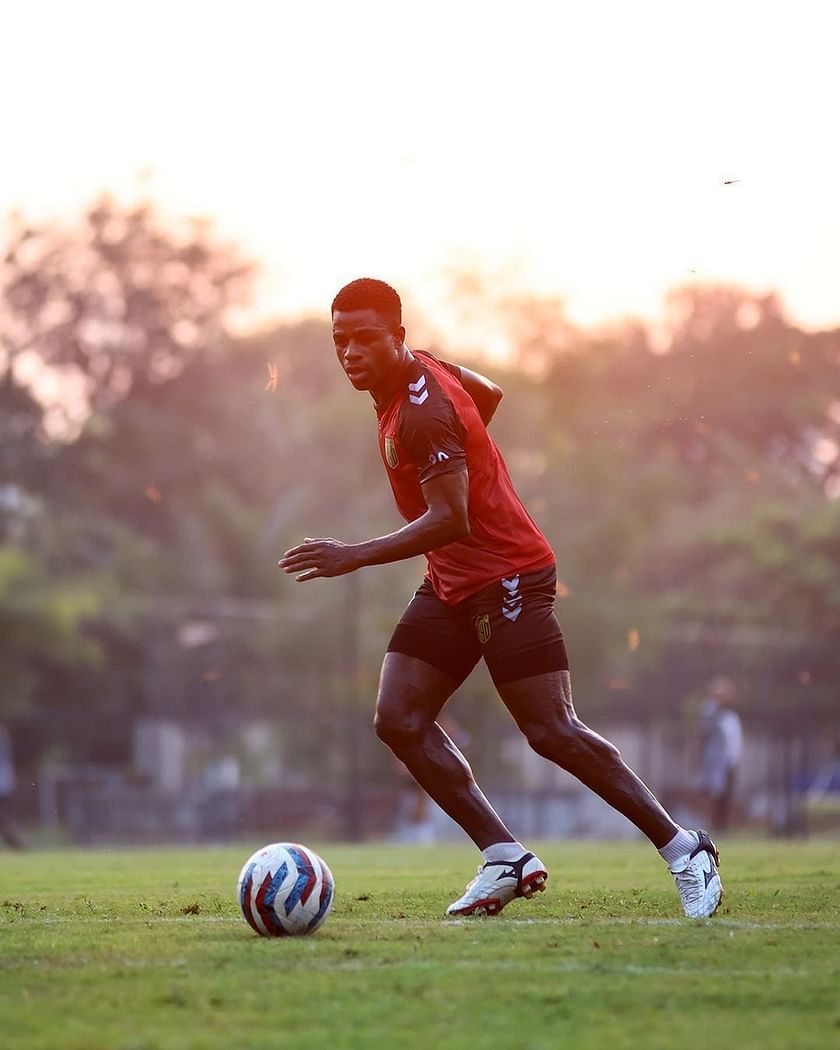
column 512, row 605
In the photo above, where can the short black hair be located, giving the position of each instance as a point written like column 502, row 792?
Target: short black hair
column 366, row 293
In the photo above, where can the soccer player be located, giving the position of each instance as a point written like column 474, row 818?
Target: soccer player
column 488, row 593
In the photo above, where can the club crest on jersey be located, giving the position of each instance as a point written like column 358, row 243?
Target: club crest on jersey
column 391, row 457
column 482, row 628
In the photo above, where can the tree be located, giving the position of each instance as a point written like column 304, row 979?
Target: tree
column 89, row 310
column 89, row 314
column 694, row 483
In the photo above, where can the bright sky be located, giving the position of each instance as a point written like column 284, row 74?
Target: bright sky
column 576, row 149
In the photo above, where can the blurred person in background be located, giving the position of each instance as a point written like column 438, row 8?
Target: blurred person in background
column 489, row 593
column 7, row 790
column 722, row 744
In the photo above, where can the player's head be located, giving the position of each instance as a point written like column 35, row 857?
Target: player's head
column 368, row 333
column 366, row 293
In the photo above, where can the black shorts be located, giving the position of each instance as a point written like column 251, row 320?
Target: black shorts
column 511, row 623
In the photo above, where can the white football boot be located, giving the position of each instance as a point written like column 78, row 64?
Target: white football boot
column 498, row 882
column 697, row 879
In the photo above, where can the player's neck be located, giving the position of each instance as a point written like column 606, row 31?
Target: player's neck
column 391, row 383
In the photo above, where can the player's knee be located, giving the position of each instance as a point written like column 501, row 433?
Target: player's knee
column 549, row 739
column 383, row 726
column 399, row 730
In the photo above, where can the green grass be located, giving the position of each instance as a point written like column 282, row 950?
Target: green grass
column 146, row 950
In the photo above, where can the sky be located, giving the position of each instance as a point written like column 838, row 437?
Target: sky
column 573, row 150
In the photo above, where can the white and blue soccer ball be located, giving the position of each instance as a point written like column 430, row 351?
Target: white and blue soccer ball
column 285, row 889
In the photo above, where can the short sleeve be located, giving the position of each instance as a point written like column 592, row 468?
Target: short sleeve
column 434, row 438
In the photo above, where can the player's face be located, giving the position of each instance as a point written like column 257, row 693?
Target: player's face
column 367, row 349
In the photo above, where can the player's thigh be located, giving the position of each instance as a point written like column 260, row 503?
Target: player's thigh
column 431, row 652
column 541, row 702
column 522, row 643
column 411, row 693
column 543, row 709
column 438, row 637
column 525, row 652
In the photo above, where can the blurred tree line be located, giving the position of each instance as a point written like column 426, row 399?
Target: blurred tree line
column 153, row 471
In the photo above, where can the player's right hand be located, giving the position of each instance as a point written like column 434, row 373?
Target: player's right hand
column 323, row 557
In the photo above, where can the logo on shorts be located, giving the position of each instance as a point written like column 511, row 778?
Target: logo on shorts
column 391, row 457
column 482, row 628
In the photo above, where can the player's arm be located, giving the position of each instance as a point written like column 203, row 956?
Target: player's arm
column 446, row 520
column 484, row 392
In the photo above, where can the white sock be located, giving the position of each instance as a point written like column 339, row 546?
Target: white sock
column 503, row 851
column 683, row 842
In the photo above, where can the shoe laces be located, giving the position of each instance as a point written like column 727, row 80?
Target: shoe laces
column 473, row 882
column 476, row 877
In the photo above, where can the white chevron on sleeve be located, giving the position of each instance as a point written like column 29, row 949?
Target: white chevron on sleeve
column 418, row 400
column 421, row 382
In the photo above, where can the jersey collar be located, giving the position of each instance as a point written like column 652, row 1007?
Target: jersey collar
column 402, row 375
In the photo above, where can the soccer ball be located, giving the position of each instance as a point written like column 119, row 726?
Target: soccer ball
column 285, row 890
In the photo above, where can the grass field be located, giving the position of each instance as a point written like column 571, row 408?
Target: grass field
column 141, row 950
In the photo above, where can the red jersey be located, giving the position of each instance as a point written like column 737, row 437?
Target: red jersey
column 430, row 427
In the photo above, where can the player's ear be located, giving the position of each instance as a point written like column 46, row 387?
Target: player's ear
column 399, row 335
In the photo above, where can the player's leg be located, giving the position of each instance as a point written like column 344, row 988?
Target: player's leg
column 431, row 652
column 526, row 655
column 412, row 694
column 543, row 709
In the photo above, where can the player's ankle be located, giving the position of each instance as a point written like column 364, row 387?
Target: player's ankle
column 683, row 842
column 503, row 851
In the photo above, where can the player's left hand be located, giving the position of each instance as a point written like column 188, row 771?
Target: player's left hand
column 316, row 558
